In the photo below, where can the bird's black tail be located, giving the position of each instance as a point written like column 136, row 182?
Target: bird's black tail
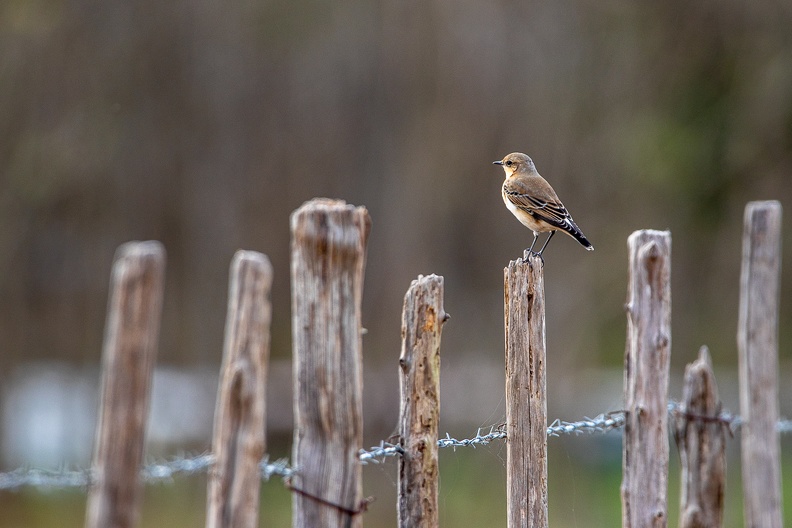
column 571, row 228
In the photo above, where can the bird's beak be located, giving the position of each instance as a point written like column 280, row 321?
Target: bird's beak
column 497, row 163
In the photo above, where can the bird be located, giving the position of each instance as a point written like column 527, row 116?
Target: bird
column 534, row 202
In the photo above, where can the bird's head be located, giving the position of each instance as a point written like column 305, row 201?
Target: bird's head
column 516, row 161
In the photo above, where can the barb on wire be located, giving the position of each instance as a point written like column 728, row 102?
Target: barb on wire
column 601, row 423
column 376, row 453
column 495, row 433
column 165, row 471
column 784, row 426
column 279, row 468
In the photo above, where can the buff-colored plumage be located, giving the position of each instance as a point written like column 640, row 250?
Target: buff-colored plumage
column 534, row 202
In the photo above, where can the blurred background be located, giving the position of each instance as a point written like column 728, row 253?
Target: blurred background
column 204, row 124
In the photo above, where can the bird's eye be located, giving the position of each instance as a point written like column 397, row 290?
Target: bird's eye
column 509, row 163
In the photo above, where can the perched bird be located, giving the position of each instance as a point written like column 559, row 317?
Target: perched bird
column 535, row 204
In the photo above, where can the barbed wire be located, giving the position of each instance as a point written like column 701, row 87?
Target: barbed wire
column 732, row 421
column 166, row 471
column 45, row 478
column 279, row 468
column 599, row 424
column 159, row 472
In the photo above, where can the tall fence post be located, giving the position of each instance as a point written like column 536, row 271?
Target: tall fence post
column 757, row 340
column 526, row 400
column 239, row 438
column 702, row 447
column 128, row 355
column 328, row 256
column 422, row 323
column 646, row 366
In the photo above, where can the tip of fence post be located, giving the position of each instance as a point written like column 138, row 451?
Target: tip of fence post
column 259, row 260
column 759, row 205
column 137, row 248
column 642, row 235
column 324, row 221
column 704, row 355
column 529, row 259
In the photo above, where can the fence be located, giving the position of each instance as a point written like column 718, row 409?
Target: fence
column 328, row 258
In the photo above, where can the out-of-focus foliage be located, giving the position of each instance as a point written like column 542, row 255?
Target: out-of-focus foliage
column 204, row 125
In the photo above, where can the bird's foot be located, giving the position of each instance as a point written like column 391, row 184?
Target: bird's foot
column 530, row 253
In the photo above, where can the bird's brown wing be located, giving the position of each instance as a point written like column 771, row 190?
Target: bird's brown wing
column 539, row 200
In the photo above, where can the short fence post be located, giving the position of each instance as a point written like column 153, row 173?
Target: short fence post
column 328, row 255
column 239, row 430
column 526, row 400
column 646, row 366
column 702, row 447
column 128, row 356
column 422, row 323
column 757, row 340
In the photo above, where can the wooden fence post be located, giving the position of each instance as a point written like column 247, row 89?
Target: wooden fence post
column 128, row 356
column 646, row 365
column 526, row 400
column 422, row 323
column 328, row 257
column 757, row 340
column 239, row 439
column 702, row 447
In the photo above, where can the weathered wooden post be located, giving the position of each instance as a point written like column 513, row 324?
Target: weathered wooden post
column 646, row 365
column 239, row 440
column 526, row 400
column 422, row 323
column 701, row 437
column 328, row 256
column 128, row 356
column 757, row 343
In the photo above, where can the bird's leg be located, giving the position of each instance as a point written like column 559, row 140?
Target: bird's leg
column 536, row 237
column 545, row 244
column 530, row 249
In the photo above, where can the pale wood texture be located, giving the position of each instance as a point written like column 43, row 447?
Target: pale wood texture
column 128, row 356
column 526, row 400
column 328, row 257
column 646, row 365
column 757, row 341
column 239, row 430
column 701, row 438
column 422, row 323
